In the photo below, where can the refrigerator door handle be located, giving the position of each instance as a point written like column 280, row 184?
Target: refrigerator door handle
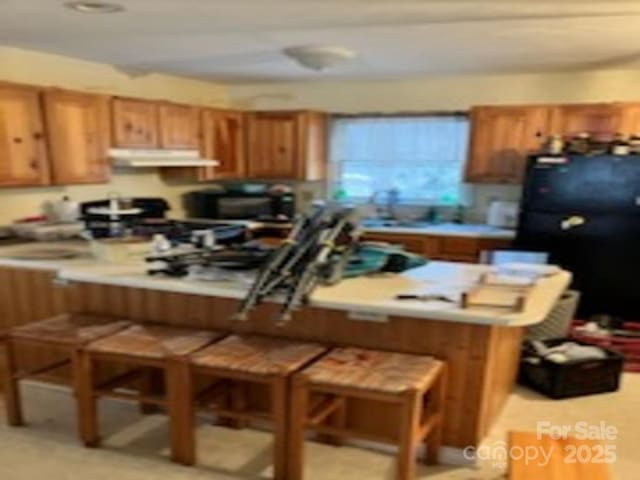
column 572, row 222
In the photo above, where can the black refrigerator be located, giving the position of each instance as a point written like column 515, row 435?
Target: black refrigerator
column 585, row 212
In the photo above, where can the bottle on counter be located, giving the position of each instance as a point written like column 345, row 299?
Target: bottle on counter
column 554, row 145
column 634, row 144
column 580, row 144
column 458, row 215
column 620, row 145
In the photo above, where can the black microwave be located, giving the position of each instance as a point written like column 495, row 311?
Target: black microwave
column 242, row 201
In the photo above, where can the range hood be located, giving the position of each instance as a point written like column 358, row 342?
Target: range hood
column 141, row 158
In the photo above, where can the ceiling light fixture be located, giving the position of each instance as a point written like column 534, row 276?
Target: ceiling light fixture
column 319, row 57
column 94, row 7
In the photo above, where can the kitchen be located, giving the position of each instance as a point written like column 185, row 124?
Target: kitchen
column 74, row 125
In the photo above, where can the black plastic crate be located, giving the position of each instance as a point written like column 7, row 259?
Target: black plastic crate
column 574, row 378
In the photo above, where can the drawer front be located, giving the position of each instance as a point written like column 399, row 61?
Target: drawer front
column 410, row 243
column 459, row 246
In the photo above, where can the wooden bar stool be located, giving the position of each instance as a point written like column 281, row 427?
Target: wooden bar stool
column 236, row 363
column 65, row 333
column 319, row 396
column 142, row 347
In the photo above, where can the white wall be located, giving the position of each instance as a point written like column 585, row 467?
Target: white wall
column 440, row 92
column 41, row 69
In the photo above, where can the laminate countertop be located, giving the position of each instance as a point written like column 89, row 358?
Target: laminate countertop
column 370, row 298
column 446, row 229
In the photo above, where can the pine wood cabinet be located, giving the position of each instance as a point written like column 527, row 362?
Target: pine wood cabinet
column 441, row 247
column 629, row 118
column 78, row 136
column 592, row 118
column 222, row 138
column 135, row 123
column 23, row 152
column 287, row 145
column 501, row 139
column 179, row 126
column 502, row 136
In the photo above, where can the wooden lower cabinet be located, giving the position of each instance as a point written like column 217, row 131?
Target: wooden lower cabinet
column 446, row 248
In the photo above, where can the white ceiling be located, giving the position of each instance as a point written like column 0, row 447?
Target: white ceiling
column 241, row 40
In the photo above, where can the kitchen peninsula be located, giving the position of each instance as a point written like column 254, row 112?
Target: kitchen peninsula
column 481, row 347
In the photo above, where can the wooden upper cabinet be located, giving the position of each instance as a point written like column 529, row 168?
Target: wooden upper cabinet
column 78, row 134
column 501, row 139
column 592, row 118
column 223, row 139
column 135, row 123
column 179, row 126
column 287, row 145
column 23, row 153
column 629, row 118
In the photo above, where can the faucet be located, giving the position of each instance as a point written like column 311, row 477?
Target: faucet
column 388, row 211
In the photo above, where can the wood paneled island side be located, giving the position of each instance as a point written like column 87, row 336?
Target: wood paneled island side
column 481, row 348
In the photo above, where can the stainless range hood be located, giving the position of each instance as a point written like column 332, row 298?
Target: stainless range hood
column 140, row 158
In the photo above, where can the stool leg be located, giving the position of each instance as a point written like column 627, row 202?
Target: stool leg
column 298, row 406
column 409, row 434
column 87, row 404
column 238, row 404
column 280, row 422
column 12, row 396
column 434, row 439
column 150, row 383
column 180, row 401
column 337, row 419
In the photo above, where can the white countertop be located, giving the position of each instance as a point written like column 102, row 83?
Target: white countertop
column 366, row 298
column 449, row 229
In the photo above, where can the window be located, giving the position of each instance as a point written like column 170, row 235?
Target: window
column 422, row 157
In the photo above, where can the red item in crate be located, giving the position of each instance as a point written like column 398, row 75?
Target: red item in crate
column 627, row 346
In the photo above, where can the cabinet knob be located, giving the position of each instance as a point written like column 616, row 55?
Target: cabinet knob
column 37, row 136
column 17, row 140
column 34, row 165
column 128, row 127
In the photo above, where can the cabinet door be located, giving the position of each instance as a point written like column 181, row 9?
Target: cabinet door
column 223, row 139
column 135, row 123
column 273, row 145
column 179, row 126
column 630, row 118
column 78, row 134
column 501, row 139
column 592, row 118
column 23, row 153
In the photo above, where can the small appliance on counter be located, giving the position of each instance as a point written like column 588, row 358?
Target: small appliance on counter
column 117, row 216
column 502, row 214
column 243, row 201
column 63, row 211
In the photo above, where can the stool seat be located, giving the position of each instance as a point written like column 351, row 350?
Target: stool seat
column 257, row 355
column 154, row 341
column 69, row 329
column 385, row 372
